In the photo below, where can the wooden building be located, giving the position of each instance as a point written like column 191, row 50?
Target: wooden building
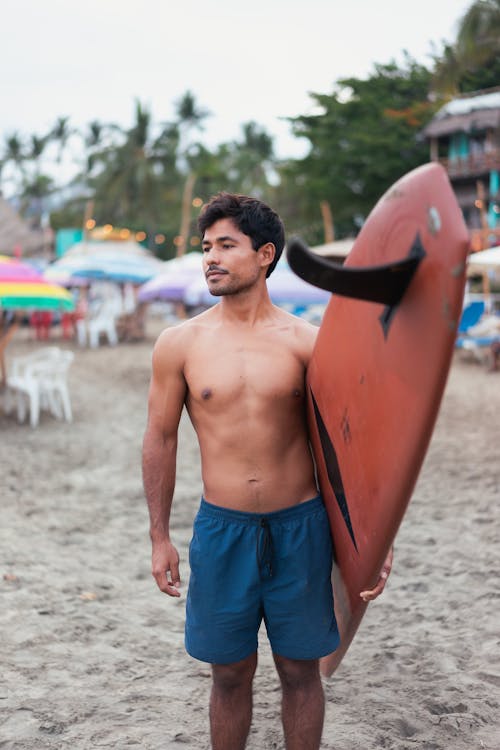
column 464, row 136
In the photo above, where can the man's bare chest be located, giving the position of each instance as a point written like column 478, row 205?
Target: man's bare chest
column 256, row 371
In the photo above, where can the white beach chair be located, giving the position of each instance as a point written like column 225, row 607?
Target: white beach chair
column 39, row 381
column 102, row 321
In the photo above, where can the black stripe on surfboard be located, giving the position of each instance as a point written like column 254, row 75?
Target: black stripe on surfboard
column 333, row 470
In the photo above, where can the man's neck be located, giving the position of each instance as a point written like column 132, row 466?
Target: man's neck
column 247, row 307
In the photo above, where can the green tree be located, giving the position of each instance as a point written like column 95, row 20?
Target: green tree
column 36, row 187
column 189, row 115
column 36, row 190
column 245, row 165
column 128, row 177
column 14, row 156
column 37, row 147
column 97, row 137
column 252, row 161
column 364, row 139
column 472, row 62
column 478, row 40
column 60, row 135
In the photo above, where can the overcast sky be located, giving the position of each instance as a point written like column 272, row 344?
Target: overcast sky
column 242, row 60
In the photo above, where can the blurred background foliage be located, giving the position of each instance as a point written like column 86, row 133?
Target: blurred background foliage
column 153, row 177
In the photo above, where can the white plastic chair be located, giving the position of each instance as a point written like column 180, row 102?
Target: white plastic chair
column 39, row 381
column 103, row 322
column 105, row 306
column 23, row 389
column 53, row 384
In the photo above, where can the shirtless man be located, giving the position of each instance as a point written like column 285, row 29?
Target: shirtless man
column 261, row 546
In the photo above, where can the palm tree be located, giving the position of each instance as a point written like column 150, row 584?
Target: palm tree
column 478, row 40
column 473, row 61
column 97, row 140
column 447, row 72
column 128, row 183
column 254, row 159
column 36, row 149
column 189, row 116
column 60, row 134
column 15, row 155
column 36, row 187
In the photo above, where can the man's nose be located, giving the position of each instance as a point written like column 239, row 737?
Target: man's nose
column 211, row 256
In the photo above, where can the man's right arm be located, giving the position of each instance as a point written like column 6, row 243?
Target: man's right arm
column 166, row 398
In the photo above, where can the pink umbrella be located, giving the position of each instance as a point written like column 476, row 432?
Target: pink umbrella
column 13, row 270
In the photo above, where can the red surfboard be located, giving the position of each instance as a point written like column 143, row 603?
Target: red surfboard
column 378, row 372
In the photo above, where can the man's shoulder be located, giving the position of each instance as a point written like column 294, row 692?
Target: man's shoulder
column 180, row 338
column 298, row 335
column 299, row 326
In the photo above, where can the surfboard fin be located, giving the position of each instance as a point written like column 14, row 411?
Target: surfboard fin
column 385, row 284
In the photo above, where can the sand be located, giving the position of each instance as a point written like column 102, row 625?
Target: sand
column 92, row 653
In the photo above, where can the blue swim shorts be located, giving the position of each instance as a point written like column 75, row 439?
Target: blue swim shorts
column 246, row 567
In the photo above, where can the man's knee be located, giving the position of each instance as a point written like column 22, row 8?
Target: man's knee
column 230, row 677
column 297, row 674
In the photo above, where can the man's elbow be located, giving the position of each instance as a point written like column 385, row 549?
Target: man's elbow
column 158, row 437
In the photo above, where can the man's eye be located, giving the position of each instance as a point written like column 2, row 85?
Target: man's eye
column 227, row 246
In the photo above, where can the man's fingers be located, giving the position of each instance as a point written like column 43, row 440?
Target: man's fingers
column 173, row 589
column 164, row 584
column 174, row 572
column 368, row 596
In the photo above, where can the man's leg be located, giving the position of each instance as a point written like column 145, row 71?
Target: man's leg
column 303, row 705
column 231, row 703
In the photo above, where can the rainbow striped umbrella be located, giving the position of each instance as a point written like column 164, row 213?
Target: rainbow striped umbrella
column 22, row 287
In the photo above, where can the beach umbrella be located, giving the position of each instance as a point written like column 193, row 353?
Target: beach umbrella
column 485, row 260
column 176, row 276
column 64, row 277
column 122, row 247
column 13, row 270
column 486, row 264
column 22, row 287
column 286, row 288
column 106, row 265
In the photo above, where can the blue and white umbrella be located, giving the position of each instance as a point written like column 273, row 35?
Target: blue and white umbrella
column 107, row 265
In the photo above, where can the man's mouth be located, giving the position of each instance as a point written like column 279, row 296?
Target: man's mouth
column 214, row 273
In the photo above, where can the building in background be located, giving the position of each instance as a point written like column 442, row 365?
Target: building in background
column 17, row 238
column 464, row 136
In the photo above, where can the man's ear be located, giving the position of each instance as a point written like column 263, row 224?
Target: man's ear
column 267, row 253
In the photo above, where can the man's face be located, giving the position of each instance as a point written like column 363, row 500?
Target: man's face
column 230, row 263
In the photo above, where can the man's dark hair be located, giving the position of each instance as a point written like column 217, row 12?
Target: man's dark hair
column 251, row 216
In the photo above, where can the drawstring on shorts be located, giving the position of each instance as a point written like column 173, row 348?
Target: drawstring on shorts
column 265, row 547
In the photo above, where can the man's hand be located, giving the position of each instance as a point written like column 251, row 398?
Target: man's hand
column 165, row 568
column 368, row 596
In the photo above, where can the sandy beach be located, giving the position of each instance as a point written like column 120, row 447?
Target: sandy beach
column 92, row 653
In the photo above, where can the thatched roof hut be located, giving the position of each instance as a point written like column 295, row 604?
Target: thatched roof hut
column 16, row 233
